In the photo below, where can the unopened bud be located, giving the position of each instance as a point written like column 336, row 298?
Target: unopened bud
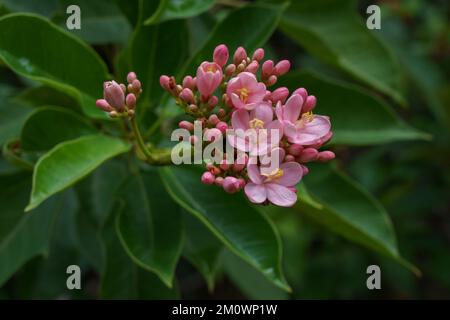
column 131, row 77
column 186, row 125
column 213, row 119
column 220, row 55
column 267, row 69
column 131, row 100
column 325, row 156
column 187, row 96
column 208, row 178
column 230, row 69
column 272, row 80
column 279, row 94
column 231, row 184
column 309, row 104
column 252, row 67
column 189, row 82
column 258, row 55
column 308, row 155
column 239, row 55
column 103, row 105
column 282, row 67
column 222, row 126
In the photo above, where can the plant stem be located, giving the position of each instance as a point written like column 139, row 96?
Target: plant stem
column 158, row 157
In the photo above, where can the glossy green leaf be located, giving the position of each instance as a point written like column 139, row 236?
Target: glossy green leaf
column 156, row 50
column 150, row 226
column 346, row 208
column 46, row 96
column 25, row 235
column 175, row 9
column 252, row 284
column 249, row 26
column 123, row 279
column 12, row 118
column 70, row 161
column 357, row 117
column 202, row 249
column 244, row 230
column 48, row 126
column 102, row 21
column 46, row 53
column 332, row 31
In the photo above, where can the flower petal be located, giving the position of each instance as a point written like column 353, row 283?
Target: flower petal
column 256, row 193
column 280, row 195
column 292, row 108
column 254, row 174
column 292, row 174
column 240, row 119
column 263, row 111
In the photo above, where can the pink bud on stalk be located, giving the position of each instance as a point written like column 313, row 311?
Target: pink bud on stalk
column 239, row 55
column 131, row 100
column 231, row 184
column 209, row 77
column 113, row 94
column 281, row 68
column 208, row 178
column 187, row 96
column 189, row 82
column 279, row 94
column 258, row 55
column 309, row 104
column 220, row 55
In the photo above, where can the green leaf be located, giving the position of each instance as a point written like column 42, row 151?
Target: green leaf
column 252, row 284
column 346, row 208
column 156, row 50
column 48, row 126
column 150, row 226
column 12, row 118
column 202, row 249
column 249, row 26
column 357, row 117
column 70, row 161
column 244, row 230
column 122, row 279
column 23, row 236
column 175, row 9
column 332, row 31
column 48, row 54
column 46, row 96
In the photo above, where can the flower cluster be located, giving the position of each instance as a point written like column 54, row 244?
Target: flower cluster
column 233, row 99
column 119, row 100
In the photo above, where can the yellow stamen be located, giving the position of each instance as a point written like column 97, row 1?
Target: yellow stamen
column 305, row 118
column 256, row 124
column 274, row 175
column 243, row 94
column 211, row 68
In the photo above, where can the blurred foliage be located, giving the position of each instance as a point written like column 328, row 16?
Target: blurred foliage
column 387, row 92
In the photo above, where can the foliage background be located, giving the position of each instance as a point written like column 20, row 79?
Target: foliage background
column 387, row 92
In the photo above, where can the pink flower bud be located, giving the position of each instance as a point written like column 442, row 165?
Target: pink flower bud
column 187, row 96
column 282, row 67
column 231, row 184
column 209, row 77
column 289, row 158
column 258, row 55
column 124, row 88
column 164, row 81
column 213, row 101
column 212, row 134
column 309, row 104
column 242, row 183
column 224, row 165
column 136, row 84
column 189, row 82
column 103, row 105
column 302, row 92
column 131, row 100
column 193, row 139
column 252, row 67
column 272, row 80
column 113, row 94
column 131, row 77
column 305, row 170
column 230, row 69
column 222, row 126
column 221, row 113
column 239, row 55
column 308, row 155
column 208, row 178
column 219, row 181
column 220, row 55
column 267, row 69
column 325, row 156
column 186, row 125
column 279, row 94
column 213, row 119
column 295, row 149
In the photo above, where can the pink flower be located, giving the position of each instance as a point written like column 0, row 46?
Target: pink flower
column 245, row 91
column 209, row 77
column 220, row 55
column 277, row 185
column 255, row 131
column 304, row 129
